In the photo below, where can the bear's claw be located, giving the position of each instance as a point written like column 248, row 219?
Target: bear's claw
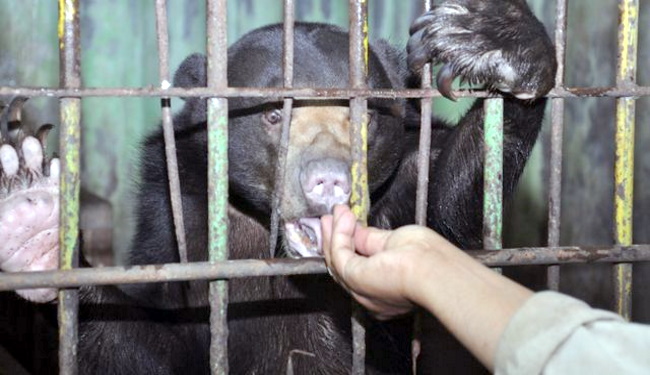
column 497, row 43
column 29, row 206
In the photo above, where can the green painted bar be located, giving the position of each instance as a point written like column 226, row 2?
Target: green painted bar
column 70, row 180
column 70, row 138
column 68, row 306
column 218, row 178
column 493, row 175
column 217, row 68
column 628, row 34
column 218, row 228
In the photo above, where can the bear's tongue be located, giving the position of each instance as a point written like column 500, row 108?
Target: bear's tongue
column 304, row 238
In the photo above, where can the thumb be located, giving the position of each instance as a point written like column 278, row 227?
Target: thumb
column 337, row 233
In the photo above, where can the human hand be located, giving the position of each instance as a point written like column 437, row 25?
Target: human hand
column 378, row 267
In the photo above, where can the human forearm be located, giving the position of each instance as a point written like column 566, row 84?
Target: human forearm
column 472, row 301
column 389, row 271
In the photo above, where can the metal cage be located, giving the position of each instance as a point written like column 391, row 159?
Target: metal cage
column 219, row 269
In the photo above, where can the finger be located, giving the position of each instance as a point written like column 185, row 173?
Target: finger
column 342, row 242
column 379, row 309
column 369, row 241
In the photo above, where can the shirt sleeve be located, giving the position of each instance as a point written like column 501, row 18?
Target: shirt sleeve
column 556, row 334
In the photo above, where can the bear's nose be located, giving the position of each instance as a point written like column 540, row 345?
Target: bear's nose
column 325, row 183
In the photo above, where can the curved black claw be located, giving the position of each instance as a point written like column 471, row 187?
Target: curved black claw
column 444, row 79
column 11, row 114
column 42, row 133
column 417, row 55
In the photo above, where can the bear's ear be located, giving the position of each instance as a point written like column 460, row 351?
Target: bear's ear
column 192, row 72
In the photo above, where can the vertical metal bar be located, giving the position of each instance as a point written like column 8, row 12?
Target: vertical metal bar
column 70, row 144
column 422, row 192
column 218, row 180
column 168, row 129
column 624, row 164
column 425, row 144
column 493, row 175
column 287, row 69
column 557, row 129
column 360, row 197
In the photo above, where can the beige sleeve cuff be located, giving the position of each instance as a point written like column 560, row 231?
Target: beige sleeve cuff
column 539, row 328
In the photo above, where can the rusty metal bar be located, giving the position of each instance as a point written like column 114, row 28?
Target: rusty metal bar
column 287, row 71
column 280, row 267
column 422, row 191
column 168, row 129
column 360, row 197
column 557, row 129
column 624, row 162
column 217, row 71
column 306, row 93
column 69, row 146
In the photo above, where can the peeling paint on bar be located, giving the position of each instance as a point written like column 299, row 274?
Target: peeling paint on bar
column 217, row 56
column 70, row 143
column 69, row 147
column 493, row 175
column 624, row 162
column 280, row 267
column 218, row 228
column 360, row 197
column 306, row 93
column 359, row 200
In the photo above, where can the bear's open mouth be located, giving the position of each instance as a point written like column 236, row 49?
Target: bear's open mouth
column 304, row 238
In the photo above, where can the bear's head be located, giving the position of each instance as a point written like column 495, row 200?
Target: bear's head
column 319, row 152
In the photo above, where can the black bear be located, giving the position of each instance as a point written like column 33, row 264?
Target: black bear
column 163, row 328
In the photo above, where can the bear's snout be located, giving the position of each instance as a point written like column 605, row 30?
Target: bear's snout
column 325, row 182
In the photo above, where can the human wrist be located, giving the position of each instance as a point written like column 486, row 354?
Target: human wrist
column 422, row 273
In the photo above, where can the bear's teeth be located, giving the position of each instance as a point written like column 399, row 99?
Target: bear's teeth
column 309, row 232
column 311, row 229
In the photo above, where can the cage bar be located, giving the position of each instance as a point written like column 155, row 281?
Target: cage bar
column 557, row 129
column 281, row 267
column 218, row 268
column 281, row 165
column 493, row 175
column 168, row 129
column 624, row 162
column 360, row 197
column 422, row 191
column 305, row 93
column 425, row 142
column 69, row 147
column 217, row 54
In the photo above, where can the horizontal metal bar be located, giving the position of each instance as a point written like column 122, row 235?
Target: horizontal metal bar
column 300, row 93
column 278, row 267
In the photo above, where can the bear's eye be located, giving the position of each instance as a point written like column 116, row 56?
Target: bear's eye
column 272, row 117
